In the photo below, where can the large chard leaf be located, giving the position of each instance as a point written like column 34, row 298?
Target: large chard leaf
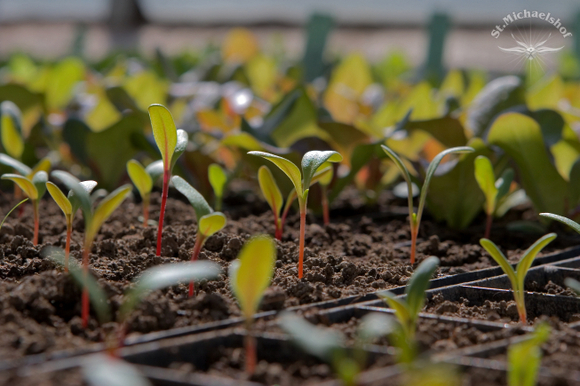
column 520, row 137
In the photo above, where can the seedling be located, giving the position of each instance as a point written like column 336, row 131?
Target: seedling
column 250, row 275
column 564, row 220
column 324, row 182
column 311, row 162
column 518, row 276
column 171, row 143
column 524, row 357
column 218, row 179
column 12, row 210
column 143, row 182
column 94, row 219
column 492, row 189
column 152, row 279
column 208, row 221
column 415, row 218
column 11, row 129
column 69, row 206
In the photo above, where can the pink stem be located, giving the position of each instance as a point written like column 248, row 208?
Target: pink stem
column 162, row 212
column 302, row 236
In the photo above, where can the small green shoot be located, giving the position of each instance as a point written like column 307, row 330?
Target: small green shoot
column 144, row 184
column 69, row 206
column 12, row 210
column 218, row 180
column 493, row 190
column 171, row 143
column 311, row 162
column 517, row 277
column 524, row 357
column 324, row 182
column 415, row 218
column 94, row 219
column 208, row 221
column 250, row 275
column 564, row 220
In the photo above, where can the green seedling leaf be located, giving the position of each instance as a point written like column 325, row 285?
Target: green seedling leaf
column 323, row 175
column 39, row 180
column 270, row 189
column 25, row 184
column 11, row 129
column 88, row 186
column 399, row 306
column 80, row 193
column 141, row 179
column 105, row 208
column 566, row 221
column 43, row 165
column 14, row 164
column 12, row 210
column 180, row 147
column 196, row 200
column 251, row 274
column 60, row 199
column 500, row 259
column 504, row 183
column 524, row 358
column 166, row 276
column 313, row 160
column 106, row 370
column 286, row 166
column 529, row 255
column 418, row 284
column 217, row 178
column 486, row 181
column 164, row 132
column 395, row 158
column 211, row 223
column 155, row 170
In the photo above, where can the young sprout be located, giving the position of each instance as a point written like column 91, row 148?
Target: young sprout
column 415, row 218
column 171, row 143
column 250, row 275
column 208, row 221
column 12, row 210
column 218, row 179
column 94, row 219
column 11, row 129
column 69, row 206
column 311, row 162
column 492, row 189
column 518, row 276
column 324, row 182
column 564, row 220
column 143, row 182
column 524, row 357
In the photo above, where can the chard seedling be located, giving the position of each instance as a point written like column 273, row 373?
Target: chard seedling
column 493, row 190
column 69, row 206
column 524, row 357
column 218, row 180
column 208, row 221
column 311, row 162
column 564, row 220
column 517, row 277
column 415, row 218
column 250, row 275
column 143, row 181
column 94, row 219
column 171, row 143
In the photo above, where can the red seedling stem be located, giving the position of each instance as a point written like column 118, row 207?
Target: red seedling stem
column 278, row 233
column 36, row 221
column 67, row 247
column 166, row 176
column 196, row 249
column 488, row 226
column 85, row 298
column 250, row 343
column 302, row 236
column 414, row 233
column 325, row 214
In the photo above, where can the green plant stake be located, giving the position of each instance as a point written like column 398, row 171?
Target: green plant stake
column 69, row 206
column 518, row 276
column 492, row 189
column 415, row 218
column 171, row 143
column 311, row 162
column 94, row 219
column 250, row 275
column 208, row 221
column 524, row 357
column 143, row 182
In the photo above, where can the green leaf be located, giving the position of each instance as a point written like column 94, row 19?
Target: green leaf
column 43, row 165
column 504, row 182
column 400, row 307
column 39, row 180
column 286, row 166
column 141, row 179
column 418, row 284
column 80, row 193
column 270, row 189
column 25, row 184
column 251, row 274
column 164, row 132
column 529, row 255
column 524, row 358
column 180, row 147
column 486, row 181
column 155, row 170
column 60, row 199
column 12, row 210
column 11, row 129
column 211, row 223
column 217, row 178
column 566, row 221
column 399, row 162
column 106, row 370
column 88, row 186
column 196, row 200
column 447, row 130
column 314, row 160
column 501, row 260
column 165, row 276
column 317, row 31
column 105, row 208
column 520, row 137
column 14, row 164
column 324, row 175
column 63, row 78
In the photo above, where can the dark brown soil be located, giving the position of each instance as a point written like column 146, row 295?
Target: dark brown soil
column 40, row 305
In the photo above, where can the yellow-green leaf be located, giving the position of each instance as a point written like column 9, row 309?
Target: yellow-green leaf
column 270, row 189
column 105, row 209
column 60, row 199
column 164, row 131
column 486, row 180
column 217, row 179
column 211, row 223
column 10, row 129
column 141, row 179
column 252, row 272
column 286, row 166
column 25, row 184
column 43, row 165
column 324, row 174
